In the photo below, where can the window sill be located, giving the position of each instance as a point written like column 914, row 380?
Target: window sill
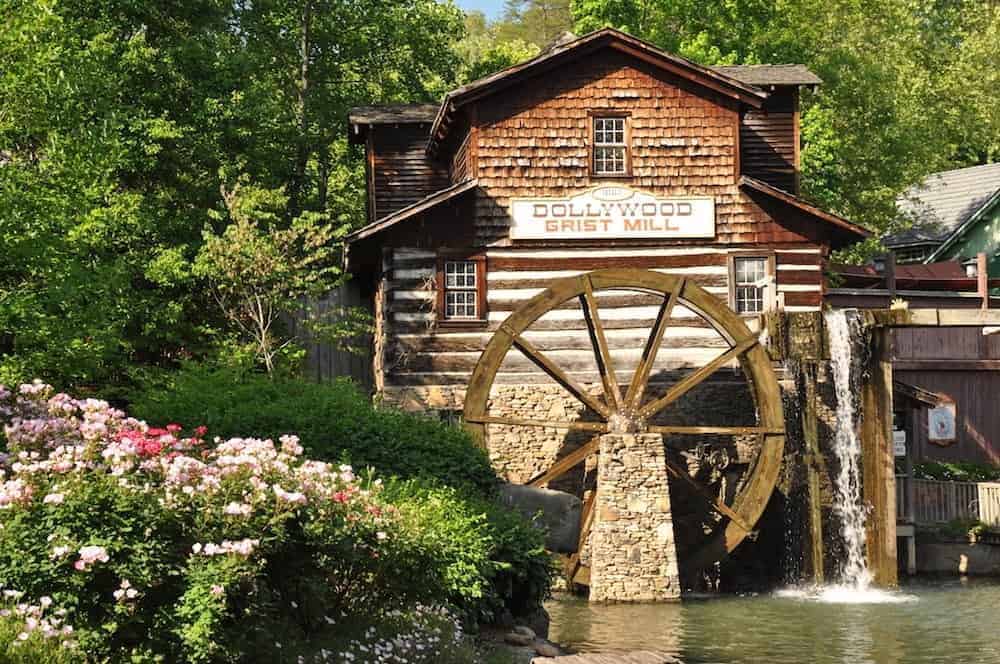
column 611, row 176
column 462, row 323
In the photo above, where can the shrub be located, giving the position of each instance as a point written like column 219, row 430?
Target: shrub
column 164, row 545
column 334, row 420
column 956, row 471
column 493, row 559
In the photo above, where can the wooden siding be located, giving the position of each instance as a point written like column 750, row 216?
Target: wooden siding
column 768, row 141
column 684, row 143
column 402, row 172
column 324, row 361
column 419, row 351
column 963, row 364
column 461, row 166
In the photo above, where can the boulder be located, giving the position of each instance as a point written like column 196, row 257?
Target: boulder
column 555, row 512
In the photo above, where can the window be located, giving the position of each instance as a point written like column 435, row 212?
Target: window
column 461, row 290
column 750, row 280
column 610, row 155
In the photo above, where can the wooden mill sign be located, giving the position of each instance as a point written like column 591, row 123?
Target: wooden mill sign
column 613, row 211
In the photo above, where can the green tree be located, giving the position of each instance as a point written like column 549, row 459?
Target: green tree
column 119, row 121
column 535, row 22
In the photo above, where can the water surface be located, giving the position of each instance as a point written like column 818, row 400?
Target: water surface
column 939, row 621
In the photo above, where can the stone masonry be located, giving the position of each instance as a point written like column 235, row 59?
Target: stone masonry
column 634, row 558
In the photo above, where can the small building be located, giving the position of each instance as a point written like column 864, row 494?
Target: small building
column 603, row 151
column 955, row 216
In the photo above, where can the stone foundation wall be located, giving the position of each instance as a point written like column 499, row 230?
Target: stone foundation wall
column 633, row 553
column 520, row 453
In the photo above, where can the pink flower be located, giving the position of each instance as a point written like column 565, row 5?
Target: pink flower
column 217, row 590
column 53, row 499
column 90, row 555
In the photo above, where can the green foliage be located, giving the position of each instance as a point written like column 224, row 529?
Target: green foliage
column 493, row 559
column 119, row 122
column 334, row 420
column 261, row 269
column 956, row 471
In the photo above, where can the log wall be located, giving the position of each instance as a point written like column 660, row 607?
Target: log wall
column 420, row 351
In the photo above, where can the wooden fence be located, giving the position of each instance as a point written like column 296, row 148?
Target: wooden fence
column 940, row 502
column 324, row 361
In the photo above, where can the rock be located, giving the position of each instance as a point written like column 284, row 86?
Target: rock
column 556, row 512
column 518, row 639
column 524, row 630
column 547, row 649
column 538, row 622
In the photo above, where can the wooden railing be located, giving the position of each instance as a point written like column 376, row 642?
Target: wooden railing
column 940, row 502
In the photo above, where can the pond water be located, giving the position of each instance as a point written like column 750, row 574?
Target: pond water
column 927, row 621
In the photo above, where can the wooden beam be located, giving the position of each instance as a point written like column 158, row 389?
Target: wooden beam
column 878, row 463
column 640, row 379
column 692, row 380
column 599, row 427
column 810, row 432
column 713, row 431
column 563, row 465
column 946, row 365
column 612, row 396
column 713, row 500
column 557, row 374
column 983, row 279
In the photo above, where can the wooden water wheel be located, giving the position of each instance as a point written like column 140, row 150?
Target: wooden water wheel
column 611, row 411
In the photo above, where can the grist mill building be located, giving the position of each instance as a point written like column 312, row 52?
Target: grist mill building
column 601, row 154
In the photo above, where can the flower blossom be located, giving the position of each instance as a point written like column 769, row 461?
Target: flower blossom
column 90, row 555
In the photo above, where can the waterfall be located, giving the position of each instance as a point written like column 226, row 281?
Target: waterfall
column 847, row 447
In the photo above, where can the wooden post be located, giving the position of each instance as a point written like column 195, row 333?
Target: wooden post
column 890, row 275
column 983, row 279
column 878, row 467
column 810, row 432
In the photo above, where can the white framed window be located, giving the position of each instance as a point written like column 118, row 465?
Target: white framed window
column 610, row 155
column 461, row 290
column 751, row 278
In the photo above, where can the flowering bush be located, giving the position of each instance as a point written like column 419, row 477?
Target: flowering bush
column 159, row 543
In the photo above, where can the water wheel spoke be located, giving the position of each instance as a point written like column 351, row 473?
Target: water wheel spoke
column 600, row 344
column 563, row 465
column 586, row 522
column 703, row 491
column 557, row 374
column 597, row 427
column 692, row 380
column 640, row 379
column 714, row 431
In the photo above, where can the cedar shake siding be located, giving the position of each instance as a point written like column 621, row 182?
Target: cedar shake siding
column 402, row 172
column 769, row 141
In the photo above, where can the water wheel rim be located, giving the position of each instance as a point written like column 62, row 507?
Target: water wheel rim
column 751, row 500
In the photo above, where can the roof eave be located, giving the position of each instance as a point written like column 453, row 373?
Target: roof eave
column 845, row 225
column 424, row 204
column 964, row 226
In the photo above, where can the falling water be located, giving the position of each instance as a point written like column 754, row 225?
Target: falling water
column 847, row 447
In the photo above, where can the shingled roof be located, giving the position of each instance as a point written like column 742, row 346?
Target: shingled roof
column 768, row 75
column 942, row 203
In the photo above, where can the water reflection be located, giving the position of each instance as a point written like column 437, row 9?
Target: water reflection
column 949, row 621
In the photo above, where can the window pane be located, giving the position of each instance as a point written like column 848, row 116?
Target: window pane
column 459, row 274
column 460, row 304
column 750, row 274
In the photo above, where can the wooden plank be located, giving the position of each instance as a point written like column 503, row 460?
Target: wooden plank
column 612, row 395
column 599, row 427
column 946, row 365
column 587, row 263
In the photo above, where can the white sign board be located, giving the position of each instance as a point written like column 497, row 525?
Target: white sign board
column 941, row 423
column 899, row 443
column 612, row 211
